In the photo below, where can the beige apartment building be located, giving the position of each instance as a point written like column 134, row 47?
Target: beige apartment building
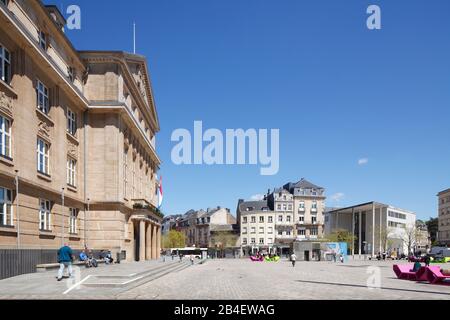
column 77, row 141
column 293, row 212
column 444, row 217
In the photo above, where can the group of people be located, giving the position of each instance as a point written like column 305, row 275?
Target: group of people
column 66, row 258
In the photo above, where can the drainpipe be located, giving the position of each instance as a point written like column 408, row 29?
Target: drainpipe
column 86, row 199
column 63, row 219
column 16, row 182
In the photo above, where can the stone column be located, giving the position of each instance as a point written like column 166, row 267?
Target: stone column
column 141, row 240
column 148, row 244
column 154, row 241
column 158, row 242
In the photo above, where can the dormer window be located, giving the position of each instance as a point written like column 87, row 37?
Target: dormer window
column 43, row 40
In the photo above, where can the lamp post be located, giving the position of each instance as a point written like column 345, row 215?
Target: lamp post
column 16, row 182
column 62, row 217
column 86, row 224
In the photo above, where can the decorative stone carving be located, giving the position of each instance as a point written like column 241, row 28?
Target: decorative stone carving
column 6, row 104
column 44, row 129
column 72, row 150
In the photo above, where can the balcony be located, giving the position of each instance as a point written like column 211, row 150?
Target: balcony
column 313, row 210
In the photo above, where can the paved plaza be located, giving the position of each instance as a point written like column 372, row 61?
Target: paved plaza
column 237, row 279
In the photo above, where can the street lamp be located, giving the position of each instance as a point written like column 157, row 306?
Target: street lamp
column 62, row 215
column 86, row 224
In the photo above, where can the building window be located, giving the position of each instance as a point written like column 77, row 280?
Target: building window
column 5, row 2
column 125, row 171
column 71, row 122
column 314, row 220
column 5, row 65
column 314, row 231
column 244, row 219
column 280, row 218
column 261, row 229
column 44, row 215
column 253, row 230
column 73, row 217
column 280, row 233
column 301, row 206
column 43, row 40
column 43, row 157
column 288, row 219
column 314, row 206
column 279, row 207
column 301, row 232
column 43, row 103
column 6, row 211
column 270, row 219
column 244, row 230
column 253, row 219
column 269, row 241
column 284, row 207
column 261, row 219
column 288, row 232
column 270, row 230
column 244, row 241
column 301, row 219
column 5, row 137
column 71, row 172
column 261, row 240
column 71, row 74
column 253, row 241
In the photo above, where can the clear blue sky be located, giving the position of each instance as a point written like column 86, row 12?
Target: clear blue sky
column 337, row 91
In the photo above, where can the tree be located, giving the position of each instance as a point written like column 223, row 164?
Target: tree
column 433, row 226
column 410, row 237
column 174, row 239
column 341, row 235
column 385, row 234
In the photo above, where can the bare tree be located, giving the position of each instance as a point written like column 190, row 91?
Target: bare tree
column 410, row 237
column 385, row 234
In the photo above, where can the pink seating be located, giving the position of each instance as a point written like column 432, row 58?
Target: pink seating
column 435, row 276
column 422, row 274
column 257, row 259
column 403, row 271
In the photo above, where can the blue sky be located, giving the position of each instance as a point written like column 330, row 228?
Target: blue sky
column 337, row 91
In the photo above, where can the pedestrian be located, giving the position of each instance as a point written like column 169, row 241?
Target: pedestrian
column 341, row 258
column 293, row 259
column 192, row 259
column 181, row 257
column 427, row 261
column 65, row 258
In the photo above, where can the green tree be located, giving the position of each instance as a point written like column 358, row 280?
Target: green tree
column 174, row 239
column 433, row 226
column 341, row 235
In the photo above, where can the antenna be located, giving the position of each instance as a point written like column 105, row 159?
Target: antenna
column 134, row 37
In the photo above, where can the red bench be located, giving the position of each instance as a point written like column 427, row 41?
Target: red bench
column 403, row 271
column 422, row 273
column 435, row 276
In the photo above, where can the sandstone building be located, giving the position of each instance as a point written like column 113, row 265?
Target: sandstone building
column 77, row 141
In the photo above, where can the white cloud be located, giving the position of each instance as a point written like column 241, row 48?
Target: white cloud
column 363, row 161
column 337, row 196
column 257, row 197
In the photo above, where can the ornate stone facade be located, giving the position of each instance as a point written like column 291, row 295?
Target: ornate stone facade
column 99, row 154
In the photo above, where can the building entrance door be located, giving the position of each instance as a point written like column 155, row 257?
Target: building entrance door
column 307, row 255
column 136, row 241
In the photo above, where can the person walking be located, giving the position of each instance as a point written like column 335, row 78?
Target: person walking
column 65, row 258
column 293, row 259
column 192, row 259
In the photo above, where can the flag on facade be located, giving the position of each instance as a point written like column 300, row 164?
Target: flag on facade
column 160, row 193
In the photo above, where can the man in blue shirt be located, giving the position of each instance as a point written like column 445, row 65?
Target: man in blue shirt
column 65, row 257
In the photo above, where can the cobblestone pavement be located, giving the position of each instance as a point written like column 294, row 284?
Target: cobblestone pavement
column 243, row 279
column 240, row 279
